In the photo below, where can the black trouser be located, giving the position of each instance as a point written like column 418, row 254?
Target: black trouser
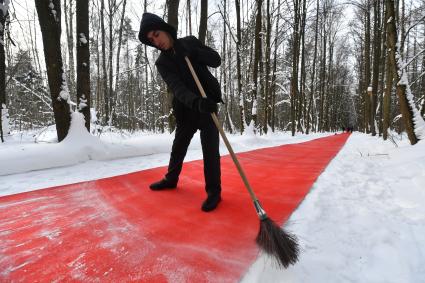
column 210, row 150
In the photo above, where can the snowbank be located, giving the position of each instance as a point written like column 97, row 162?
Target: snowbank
column 363, row 221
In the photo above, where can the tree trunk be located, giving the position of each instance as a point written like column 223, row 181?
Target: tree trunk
column 189, row 17
column 322, row 80
column 104, row 74
column 386, row 107
column 112, row 10
column 33, row 31
column 402, row 24
column 69, row 28
column 328, row 98
column 173, row 8
column 423, row 85
column 203, row 23
column 382, row 68
column 273, row 84
column 83, row 60
column 376, row 60
column 267, row 83
column 173, row 12
column 301, row 96
column 313, row 70
column 368, row 126
column 3, row 15
column 119, row 44
column 260, row 99
column 223, row 73
column 238, row 65
column 257, row 59
column 405, row 107
column 295, row 59
column 49, row 15
column 230, row 89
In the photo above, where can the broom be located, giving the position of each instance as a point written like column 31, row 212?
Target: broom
column 280, row 245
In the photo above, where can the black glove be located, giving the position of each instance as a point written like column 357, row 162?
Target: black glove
column 183, row 49
column 206, row 105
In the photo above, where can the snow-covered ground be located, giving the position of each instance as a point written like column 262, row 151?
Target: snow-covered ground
column 363, row 221
column 26, row 166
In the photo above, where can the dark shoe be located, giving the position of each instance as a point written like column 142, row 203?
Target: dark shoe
column 211, row 203
column 164, row 184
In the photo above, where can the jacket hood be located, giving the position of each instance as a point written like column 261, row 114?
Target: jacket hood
column 153, row 22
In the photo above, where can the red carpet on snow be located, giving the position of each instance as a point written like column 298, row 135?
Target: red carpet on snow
column 117, row 230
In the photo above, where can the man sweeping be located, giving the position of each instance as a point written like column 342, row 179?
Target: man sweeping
column 191, row 110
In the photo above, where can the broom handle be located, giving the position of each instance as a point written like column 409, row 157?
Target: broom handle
column 226, row 141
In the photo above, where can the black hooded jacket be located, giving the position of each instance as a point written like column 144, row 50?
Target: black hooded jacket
column 176, row 73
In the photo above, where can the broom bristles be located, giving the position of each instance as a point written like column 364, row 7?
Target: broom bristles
column 277, row 243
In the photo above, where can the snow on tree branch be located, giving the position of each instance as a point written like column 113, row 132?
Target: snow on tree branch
column 83, row 38
column 54, row 13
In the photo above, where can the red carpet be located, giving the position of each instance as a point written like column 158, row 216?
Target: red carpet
column 117, row 230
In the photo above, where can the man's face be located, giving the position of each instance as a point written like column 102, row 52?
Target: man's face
column 161, row 39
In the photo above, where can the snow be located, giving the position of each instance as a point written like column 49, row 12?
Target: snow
column 363, row 220
column 83, row 38
column 419, row 123
column 369, row 89
column 64, row 93
column 54, row 13
column 5, row 119
column 83, row 102
column 417, row 117
column 23, row 163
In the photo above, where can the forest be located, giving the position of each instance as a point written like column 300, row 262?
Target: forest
column 300, row 66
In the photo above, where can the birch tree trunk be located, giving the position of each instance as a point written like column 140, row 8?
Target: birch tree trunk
column 69, row 28
column 376, row 59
